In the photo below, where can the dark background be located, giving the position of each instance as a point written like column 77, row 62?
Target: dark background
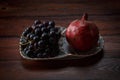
column 16, row 15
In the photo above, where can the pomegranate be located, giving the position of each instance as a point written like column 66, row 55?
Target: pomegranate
column 82, row 35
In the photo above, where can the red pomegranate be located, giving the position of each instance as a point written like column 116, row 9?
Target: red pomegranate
column 82, row 34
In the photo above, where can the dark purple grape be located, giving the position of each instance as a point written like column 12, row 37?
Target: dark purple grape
column 44, row 36
column 49, row 27
column 31, row 36
column 36, row 22
column 55, row 34
column 52, row 33
column 41, row 44
column 54, row 29
column 27, row 31
column 58, row 35
column 23, row 40
column 45, row 55
column 33, row 27
column 24, row 33
column 31, row 47
column 35, row 45
column 28, row 36
column 46, row 23
column 36, row 26
column 41, row 25
column 54, row 53
column 36, row 38
column 48, row 50
column 44, row 29
column 39, row 55
column 38, row 31
column 29, row 53
column 25, row 49
column 53, row 41
column 52, row 23
column 36, row 51
column 41, row 50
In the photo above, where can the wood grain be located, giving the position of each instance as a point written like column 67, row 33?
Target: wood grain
column 16, row 15
column 37, row 8
column 17, row 70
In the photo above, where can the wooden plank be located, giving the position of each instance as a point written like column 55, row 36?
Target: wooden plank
column 18, row 8
column 54, row 1
column 106, row 69
column 9, row 48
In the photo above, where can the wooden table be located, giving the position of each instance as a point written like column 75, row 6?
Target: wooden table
column 16, row 15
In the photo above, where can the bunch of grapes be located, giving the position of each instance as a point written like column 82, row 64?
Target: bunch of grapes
column 42, row 38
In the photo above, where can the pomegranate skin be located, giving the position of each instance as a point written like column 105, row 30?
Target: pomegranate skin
column 82, row 35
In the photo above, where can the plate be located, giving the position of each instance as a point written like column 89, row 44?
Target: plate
column 66, row 52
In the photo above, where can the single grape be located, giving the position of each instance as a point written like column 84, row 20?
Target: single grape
column 52, row 23
column 44, row 29
column 31, row 36
column 35, row 45
column 31, row 47
column 46, row 23
column 44, row 36
column 41, row 44
column 37, row 31
column 37, row 22
column 25, row 49
column 44, row 55
column 39, row 55
column 28, row 36
column 36, row 38
column 52, row 41
column 49, row 27
column 47, row 50
column 27, row 31
column 41, row 25
column 52, row 33
column 29, row 53
column 58, row 35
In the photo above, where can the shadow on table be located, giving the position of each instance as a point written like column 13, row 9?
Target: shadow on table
column 59, row 64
